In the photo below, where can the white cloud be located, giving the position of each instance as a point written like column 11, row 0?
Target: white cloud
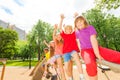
column 27, row 15
column 115, row 12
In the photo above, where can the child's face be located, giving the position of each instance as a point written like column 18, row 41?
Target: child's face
column 58, row 37
column 68, row 30
column 80, row 24
column 45, row 51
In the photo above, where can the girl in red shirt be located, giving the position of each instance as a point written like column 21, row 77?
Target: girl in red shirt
column 70, row 50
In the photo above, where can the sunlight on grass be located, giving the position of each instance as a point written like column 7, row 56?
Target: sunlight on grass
column 20, row 63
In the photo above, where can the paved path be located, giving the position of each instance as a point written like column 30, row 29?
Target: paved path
column 16, row 73
column 22, row 73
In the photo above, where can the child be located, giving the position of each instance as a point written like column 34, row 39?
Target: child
column 49, row 56
column 58, row 51
column 51, row 46
column 70, row 49
column 47, row 53
column 86, row 34
column 55, row 55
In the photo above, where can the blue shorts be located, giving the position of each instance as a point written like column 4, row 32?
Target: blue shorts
column 57, row 56
column 67, row 56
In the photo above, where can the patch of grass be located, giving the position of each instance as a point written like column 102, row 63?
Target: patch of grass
column 20, row 63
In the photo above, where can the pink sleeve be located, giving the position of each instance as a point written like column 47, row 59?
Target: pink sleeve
column 92, row 30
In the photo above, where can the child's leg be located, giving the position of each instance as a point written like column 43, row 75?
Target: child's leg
column 78, row 63
column 93, row 78
column 90, row 61
column 60, row 64
column 68, row 65
column 45, row 69
column 110, row 55
column 68, row 69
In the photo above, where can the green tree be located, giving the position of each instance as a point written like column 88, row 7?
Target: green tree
column 107, row 27
column 20, row 52
column 108, row 4
column 8, row 40
column 113, row 32
column 40, row 32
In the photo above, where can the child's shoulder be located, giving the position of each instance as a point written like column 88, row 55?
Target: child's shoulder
column 90, row 26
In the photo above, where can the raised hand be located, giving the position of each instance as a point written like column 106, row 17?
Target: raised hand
column 62, row 16
column 75, row 14
column 55, row 26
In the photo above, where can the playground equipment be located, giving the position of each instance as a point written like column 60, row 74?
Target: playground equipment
column 110, row 66
column 38, row 71
column 3, row 60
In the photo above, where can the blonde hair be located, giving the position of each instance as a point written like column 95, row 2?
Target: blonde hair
column 81, row 18
column 68, row 27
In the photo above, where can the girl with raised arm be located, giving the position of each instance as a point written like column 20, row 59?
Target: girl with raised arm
column 70, row 50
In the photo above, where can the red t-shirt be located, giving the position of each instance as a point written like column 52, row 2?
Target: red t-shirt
column 70, row 43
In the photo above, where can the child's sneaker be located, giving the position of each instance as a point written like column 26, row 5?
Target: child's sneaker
column 82, row 78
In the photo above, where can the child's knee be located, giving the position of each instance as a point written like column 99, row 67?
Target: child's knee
column 92, row 73
column 91, row 69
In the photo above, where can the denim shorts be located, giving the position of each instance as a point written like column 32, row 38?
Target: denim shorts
column 57, row 56
column 67, row 56
column 54, row 58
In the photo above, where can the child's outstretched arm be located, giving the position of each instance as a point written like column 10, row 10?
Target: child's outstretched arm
column 75, row 15
column 54, row 31
column 46, row 43
column 61, row 21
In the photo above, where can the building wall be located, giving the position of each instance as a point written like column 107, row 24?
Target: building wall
column 4, row 24
column 21, row 33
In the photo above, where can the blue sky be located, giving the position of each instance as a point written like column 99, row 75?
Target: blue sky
column 25, row 13
column 19, row 2
column 7, row 10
